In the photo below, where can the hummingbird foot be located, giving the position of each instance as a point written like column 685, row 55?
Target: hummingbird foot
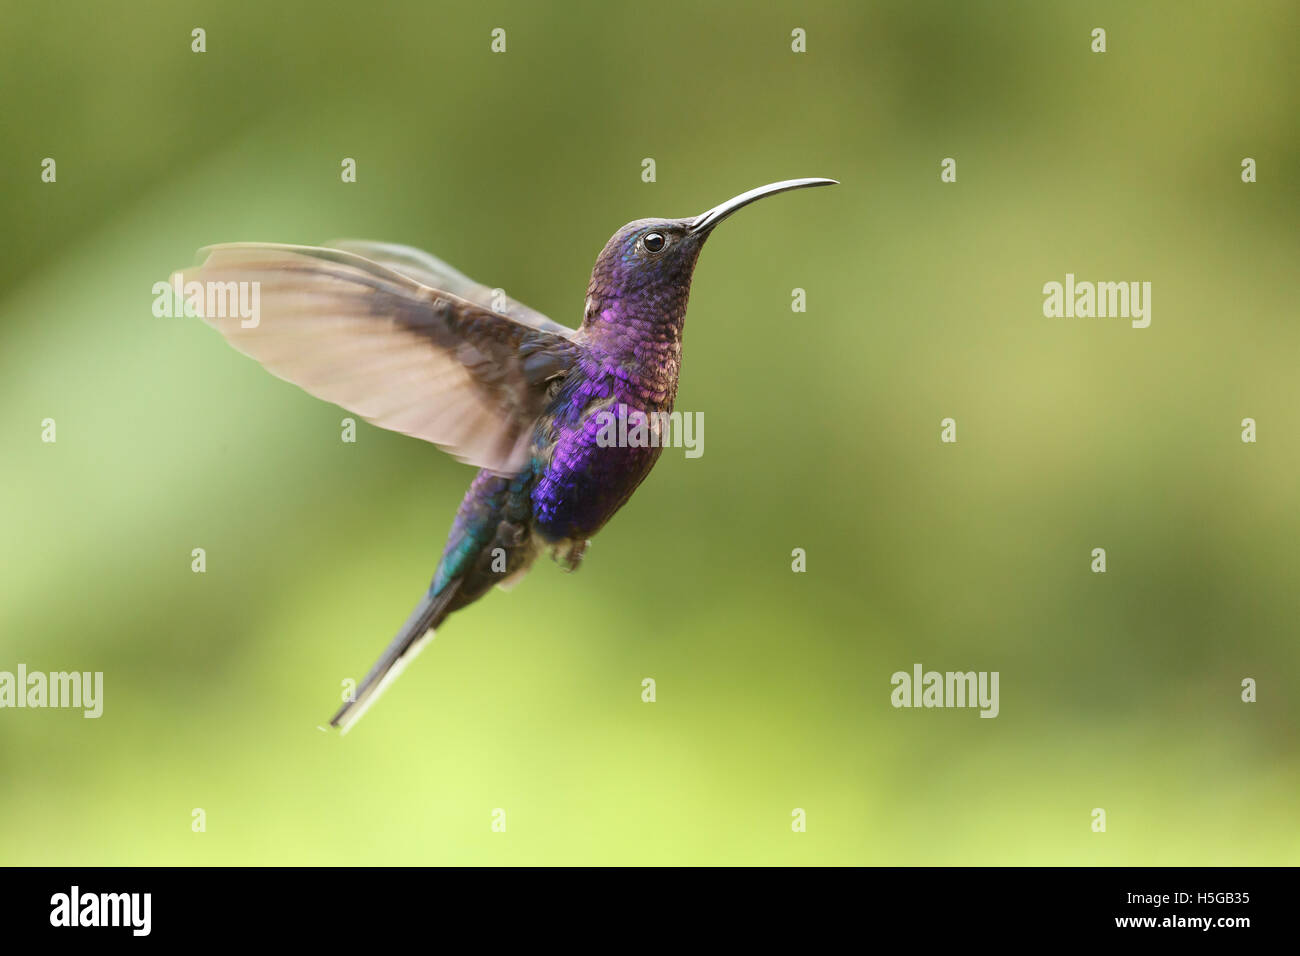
column 568, row 553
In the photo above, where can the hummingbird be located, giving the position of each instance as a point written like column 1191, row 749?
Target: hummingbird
column 410, row 344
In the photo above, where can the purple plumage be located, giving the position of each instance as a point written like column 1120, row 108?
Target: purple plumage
column 632, row 350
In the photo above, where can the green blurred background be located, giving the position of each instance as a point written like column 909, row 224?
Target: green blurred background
column 1119, row 691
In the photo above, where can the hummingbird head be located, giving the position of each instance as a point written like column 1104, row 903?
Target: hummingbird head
column 642, row 278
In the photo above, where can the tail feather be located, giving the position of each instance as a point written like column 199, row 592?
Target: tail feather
column 408, row 643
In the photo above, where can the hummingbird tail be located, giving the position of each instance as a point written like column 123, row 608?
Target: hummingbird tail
column 403, row 649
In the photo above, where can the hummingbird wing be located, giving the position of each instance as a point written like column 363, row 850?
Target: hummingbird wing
column 405, row 355
column 431, row 271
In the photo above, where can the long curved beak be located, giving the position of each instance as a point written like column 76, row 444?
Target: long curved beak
column 707, row 220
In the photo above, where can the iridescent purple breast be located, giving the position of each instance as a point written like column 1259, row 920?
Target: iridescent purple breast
column 588, row 462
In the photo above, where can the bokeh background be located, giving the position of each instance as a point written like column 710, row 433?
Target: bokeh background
column 1119, row 691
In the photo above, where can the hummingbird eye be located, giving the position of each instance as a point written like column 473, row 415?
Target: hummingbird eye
column 653, row 241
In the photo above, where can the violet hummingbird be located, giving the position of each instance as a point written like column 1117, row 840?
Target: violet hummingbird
column 412, row 345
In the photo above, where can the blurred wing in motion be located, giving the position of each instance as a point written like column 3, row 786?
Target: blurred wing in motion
column 378, row 340
column 431, row 271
